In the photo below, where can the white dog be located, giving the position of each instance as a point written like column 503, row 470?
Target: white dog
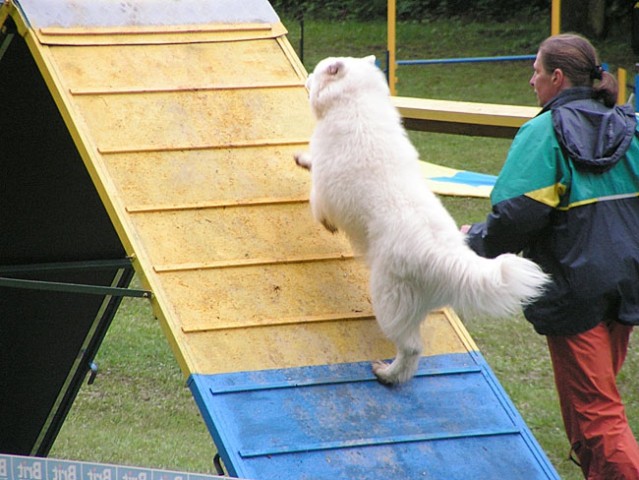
column 366, row 182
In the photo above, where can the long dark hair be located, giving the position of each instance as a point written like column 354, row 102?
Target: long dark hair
column 577, row 58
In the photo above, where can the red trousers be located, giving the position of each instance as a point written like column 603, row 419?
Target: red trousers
column 586, row 366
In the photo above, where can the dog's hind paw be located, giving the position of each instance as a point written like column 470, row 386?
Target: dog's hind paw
column 380, row 369
column 399, row 371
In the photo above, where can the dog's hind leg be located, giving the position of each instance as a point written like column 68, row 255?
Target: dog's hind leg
column 399, row 315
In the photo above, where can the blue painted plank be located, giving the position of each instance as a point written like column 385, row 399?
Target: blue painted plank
column 101, row 13
column 453, row 420
column 469, row 178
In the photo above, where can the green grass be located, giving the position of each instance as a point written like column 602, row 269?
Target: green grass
column 139, row 412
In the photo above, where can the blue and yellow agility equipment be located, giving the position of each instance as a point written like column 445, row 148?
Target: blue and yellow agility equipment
column 184, row 116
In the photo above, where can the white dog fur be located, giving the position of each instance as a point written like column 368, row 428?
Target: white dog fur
column 367, row 183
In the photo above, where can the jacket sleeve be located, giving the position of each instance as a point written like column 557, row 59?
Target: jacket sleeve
column 527, row 192
column 511, row 226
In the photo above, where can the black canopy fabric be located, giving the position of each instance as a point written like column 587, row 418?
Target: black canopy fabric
column 54, row 228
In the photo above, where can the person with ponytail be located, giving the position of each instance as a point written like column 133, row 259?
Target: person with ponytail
column 568, row 198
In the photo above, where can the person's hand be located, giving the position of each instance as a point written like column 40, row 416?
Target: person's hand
column 464, row 228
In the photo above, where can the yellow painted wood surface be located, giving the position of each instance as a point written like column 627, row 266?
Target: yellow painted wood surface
column 472, row 118
column 189, row 136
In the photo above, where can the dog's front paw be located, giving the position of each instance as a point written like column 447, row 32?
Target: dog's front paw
column 303, row 160
column 328, row 226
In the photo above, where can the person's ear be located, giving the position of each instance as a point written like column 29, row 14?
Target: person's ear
column 558, row 77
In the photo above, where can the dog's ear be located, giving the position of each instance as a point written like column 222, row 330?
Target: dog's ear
column 335, row 67
column 370, row 59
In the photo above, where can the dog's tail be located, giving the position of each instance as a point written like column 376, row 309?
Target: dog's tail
column 497, row 287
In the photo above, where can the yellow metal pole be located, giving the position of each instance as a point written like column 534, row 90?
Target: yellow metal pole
column 555, row 17
column 622, row 79
column 4, row 12
column 392, row 66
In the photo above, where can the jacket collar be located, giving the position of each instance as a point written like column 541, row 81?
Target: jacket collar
column 567, row 96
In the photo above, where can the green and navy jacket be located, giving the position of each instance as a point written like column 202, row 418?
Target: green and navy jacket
column 568, row 198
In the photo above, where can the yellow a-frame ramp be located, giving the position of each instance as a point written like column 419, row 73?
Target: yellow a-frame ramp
column 186, row 115
column 188, row 133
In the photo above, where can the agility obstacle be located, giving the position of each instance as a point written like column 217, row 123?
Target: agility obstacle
column 159, row 136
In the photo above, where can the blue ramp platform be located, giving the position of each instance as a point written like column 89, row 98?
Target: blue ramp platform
column 452, row 421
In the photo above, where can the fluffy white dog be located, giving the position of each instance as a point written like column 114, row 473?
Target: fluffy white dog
column 366, row 182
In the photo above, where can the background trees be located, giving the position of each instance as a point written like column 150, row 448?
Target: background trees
column 593, row 18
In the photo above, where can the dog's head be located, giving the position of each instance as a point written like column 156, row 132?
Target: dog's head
column 337, row 80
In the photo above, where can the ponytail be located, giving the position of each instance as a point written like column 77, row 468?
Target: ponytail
column 606, row 89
